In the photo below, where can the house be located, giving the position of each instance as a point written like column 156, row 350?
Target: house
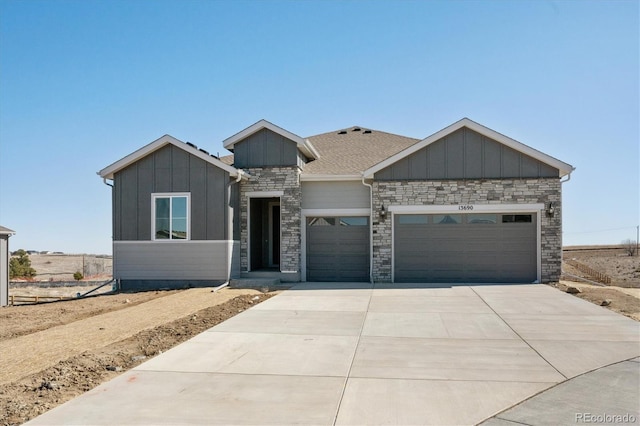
column 466, row 204
column 5, row 233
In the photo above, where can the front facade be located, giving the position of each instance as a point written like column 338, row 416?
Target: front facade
column 466, row 204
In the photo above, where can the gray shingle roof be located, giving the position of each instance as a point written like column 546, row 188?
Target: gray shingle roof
column 349, row 151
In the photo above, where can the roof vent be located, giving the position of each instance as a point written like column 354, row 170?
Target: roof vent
column 192, row 145
column 202, row 150
column 217, row 157
column 356, row 129
column 367, row 132
column 342, row 132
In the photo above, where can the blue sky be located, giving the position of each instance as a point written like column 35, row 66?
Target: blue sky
column 84, row 83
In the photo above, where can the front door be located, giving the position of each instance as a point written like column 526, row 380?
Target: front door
column 274, row 234
column 264, row 233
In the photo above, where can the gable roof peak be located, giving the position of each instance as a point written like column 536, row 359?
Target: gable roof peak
column 563, row 168
column 109, row 171
column 303, row 144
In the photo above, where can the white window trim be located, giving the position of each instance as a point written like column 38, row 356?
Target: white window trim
column 537, row 208
column 153, row 214
column 328, row 213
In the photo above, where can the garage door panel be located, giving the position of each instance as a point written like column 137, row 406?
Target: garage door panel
column 469, row 251
column 338, row 250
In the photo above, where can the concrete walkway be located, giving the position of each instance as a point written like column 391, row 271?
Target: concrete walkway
column 350, row 354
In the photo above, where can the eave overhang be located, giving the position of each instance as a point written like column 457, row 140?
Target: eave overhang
column 304, row 145
column 109, row 171
column 564, row 168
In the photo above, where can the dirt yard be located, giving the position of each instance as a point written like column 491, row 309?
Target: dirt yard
column 51, row 353
column 624, row 270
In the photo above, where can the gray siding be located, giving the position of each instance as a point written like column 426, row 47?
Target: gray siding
column 335, row 195
column 182, row 261
column 4, row 270
column 265, row 149
column 465, row 154
column 171, row 169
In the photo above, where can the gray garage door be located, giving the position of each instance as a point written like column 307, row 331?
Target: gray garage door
column 337, row 249
column 474, row 248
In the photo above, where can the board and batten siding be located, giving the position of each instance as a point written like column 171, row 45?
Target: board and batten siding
column 335, row 195
column 182, row 260
column 466, row 154
column 171, row 169
column 266, row 149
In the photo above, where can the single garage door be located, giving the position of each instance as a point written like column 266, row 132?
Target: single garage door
column 474, row 248
column 337, row 249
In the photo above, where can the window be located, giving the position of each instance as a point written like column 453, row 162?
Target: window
column 482, row 218
column 447, row 219
column 170, row 216
column 354, row 221
column 321, row 221
column 516, row 218
column 412, row 219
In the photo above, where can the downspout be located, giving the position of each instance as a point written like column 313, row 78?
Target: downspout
column 370, row 229
column 230, row 225
column 116, row 287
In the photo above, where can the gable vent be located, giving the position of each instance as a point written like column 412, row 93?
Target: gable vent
column 192, row 145
column 342, row 132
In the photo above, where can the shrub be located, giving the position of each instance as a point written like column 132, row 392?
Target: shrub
column 20, row 265
column 78, row 276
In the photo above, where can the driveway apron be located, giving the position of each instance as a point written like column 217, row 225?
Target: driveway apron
column 355, row 353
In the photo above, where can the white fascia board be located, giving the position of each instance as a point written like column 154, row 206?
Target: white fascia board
column 303, row 145
column 8, row 232
column 329, row 178
column 564, row 168
column 108, row 172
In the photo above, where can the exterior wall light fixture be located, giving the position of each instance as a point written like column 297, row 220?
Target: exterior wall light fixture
column 551, row 209
column 383, row 212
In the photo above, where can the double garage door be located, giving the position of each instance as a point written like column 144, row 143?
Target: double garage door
column 428, row 248
column 474, row 248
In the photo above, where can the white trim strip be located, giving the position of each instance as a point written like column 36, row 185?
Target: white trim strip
column 467, row 208
column 335, row 212
column 328, row 178
column 264, row 194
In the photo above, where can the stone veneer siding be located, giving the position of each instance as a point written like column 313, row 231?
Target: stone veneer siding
column 454, row 192
column 286, row 179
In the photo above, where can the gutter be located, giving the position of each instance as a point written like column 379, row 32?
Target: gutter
column 370, row 229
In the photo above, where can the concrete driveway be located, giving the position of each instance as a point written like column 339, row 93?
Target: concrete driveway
column 354, row 354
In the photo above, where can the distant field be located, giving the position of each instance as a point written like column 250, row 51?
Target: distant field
column 61, row 267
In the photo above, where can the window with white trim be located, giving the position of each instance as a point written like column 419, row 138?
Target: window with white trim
column 170, row 216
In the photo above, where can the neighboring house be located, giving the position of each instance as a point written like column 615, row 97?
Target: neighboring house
column 466, row 204
column 5, row 233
